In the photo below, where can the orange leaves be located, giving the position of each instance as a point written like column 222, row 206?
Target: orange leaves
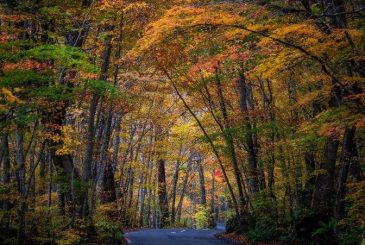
column 87, row 75
column 207, row 67
column 360, row 123
column 109, row 4
column 218, row 176
column 26, row 64
column 330, row 131
column 180, row 20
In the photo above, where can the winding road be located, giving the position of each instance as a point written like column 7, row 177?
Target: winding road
column 174, row 237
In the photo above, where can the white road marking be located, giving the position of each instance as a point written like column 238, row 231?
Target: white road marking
column 129, row 241
column 183, row 231
column 173, row 231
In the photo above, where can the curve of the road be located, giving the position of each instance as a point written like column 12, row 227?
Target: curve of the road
column 173, row 237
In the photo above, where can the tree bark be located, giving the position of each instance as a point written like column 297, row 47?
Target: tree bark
column 174, row 187
column 229, row 141
column 251, row 148
column 183, row 191
column 89, row 149
column 5, row 177
column 348, row 157
column 162, row 194
column 20, row 172
column 107, row 173
column 203, row 199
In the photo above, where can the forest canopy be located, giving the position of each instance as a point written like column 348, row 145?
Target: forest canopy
column 120, row 114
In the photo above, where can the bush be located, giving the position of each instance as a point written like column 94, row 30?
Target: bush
column 106, row 222
column 240, row 224
column 325, row 232
column 261, row 234
column 202, row 217
column 353, row 236
column 265, row 213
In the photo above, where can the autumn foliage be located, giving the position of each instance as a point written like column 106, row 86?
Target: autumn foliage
column 117, row 114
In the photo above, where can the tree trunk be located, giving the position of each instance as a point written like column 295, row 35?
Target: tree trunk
column 183, row 190
column 5, row 177
column 211, row 143
column 162, row 194
column 107, row 173
column 229, row 141
column 348, row 157
column 174, row 187
column 212, row 193
column 325, row 182
column 31, row 168
column 203, row 199
column 251, row 148
column 89, row 149
column 50, row 173
column 20, row 172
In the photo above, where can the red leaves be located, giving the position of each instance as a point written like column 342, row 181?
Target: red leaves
column 209, row 66
column 330, row 131
column 360, row 123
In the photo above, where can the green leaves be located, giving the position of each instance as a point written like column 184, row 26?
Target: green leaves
column 104, row 88
column 325, row 228
column 63, row 55
column 316, row 9
column 16, row 78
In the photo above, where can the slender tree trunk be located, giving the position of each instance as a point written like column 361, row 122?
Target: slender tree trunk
column 162, row 194
column 107, row 174
column 89, row 149
column 60, row 199
column 229, row 141
column 203, row 199
column 215, row 151
column 348, row 157
column 5, row 177
column 325, row 185
column 20, row 160
column 50, row 174
column 174, row 187
column 251, row 148
column 212, row 193
column 183, row 190
column 31, row 168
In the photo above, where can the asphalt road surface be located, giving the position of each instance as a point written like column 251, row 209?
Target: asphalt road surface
column 173, row 237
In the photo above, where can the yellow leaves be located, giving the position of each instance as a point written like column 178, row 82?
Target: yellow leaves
column 9, row 98
column 184, row 19
column 235, row 34
column 303, row 30
column 69, row 141
column 110, row 4
column 70, row 237
column 316, row 95
column 133, row 7
column 9, row 95
column 184, row 131
column 275, row 64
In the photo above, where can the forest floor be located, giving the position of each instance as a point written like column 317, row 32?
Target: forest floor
column 234, row 238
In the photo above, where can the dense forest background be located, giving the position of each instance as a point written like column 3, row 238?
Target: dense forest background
column 122, row 113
